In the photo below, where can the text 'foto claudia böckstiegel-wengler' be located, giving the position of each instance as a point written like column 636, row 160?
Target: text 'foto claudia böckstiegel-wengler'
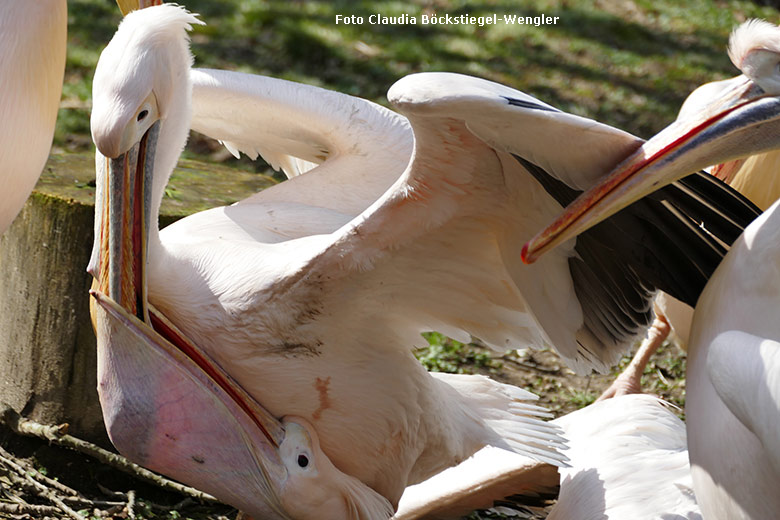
column 445, row 19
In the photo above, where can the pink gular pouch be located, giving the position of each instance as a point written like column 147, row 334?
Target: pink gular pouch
column 188, row 419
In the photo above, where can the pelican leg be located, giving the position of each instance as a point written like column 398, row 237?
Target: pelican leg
column 630, row 380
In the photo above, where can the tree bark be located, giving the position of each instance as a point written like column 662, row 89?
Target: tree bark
column 47, row 346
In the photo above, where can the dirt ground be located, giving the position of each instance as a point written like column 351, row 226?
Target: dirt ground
column 104, row 492
column 563, row 391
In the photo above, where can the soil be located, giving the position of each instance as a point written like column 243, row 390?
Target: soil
column 562, row 391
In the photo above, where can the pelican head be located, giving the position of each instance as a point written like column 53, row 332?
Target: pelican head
column 166, row 403
column 719, row 122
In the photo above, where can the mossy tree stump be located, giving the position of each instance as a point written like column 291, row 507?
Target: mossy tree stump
column 47, row 346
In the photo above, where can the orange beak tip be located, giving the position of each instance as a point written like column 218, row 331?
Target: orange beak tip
column 525, row 256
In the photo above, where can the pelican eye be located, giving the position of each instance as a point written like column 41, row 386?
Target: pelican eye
column 142, row 114
column 303, row 461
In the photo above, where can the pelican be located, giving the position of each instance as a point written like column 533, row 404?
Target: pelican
column 752, row 177
column 604, row 331
column 733, row 383
column 33, row 36
column 310, row 295
column 615, row 448
column 329, row 391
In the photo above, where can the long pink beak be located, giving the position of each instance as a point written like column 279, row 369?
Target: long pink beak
column 740, row 120
column 179, row 413
column 166, row 404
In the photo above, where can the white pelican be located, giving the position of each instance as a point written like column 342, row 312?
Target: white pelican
column 244, row 114
column 628, row 460
column 733, row 385
column 311, row 293
column 33, row 37
column 378, row 416
column 752, row 177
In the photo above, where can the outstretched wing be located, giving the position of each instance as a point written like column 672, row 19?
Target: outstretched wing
column 297, row 127
column 443, row 244
column 573, row 149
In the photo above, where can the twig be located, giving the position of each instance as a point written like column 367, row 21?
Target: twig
column 16, row 480
column 8, row 494
column 93, row 503
column 55, row 435
column 30, row 509
column 56, row 484
column 119, row 495
column 42, row 490
column 530, row 366
column 131, row 504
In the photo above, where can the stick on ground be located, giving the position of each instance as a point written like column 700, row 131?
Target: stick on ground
column 57, row 435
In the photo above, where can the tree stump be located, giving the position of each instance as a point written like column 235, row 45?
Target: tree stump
column 47, row 346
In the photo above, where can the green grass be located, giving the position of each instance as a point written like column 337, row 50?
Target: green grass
column 628, row 64
column 582, row 398
column 447, row 355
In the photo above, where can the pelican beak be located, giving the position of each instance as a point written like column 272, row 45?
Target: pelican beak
column 166, row 404
column 122, row 215
column 741, row 119
column 169, row 407
column 132, row 5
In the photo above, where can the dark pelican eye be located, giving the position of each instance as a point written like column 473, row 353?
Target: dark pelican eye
column 142, row 114
column 303, row 461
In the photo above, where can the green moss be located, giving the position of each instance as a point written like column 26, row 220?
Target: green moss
column 194, row 186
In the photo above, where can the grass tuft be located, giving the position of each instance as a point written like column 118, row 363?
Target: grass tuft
column 447, row 355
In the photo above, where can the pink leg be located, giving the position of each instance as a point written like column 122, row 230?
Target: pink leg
column 629, row 381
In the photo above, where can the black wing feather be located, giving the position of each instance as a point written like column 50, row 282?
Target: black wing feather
column 671, row 240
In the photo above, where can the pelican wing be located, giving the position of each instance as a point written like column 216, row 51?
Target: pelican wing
column 33, row 38
column 296, row 127
column 488, row 476
column 443, row 243
column 616, row 447
column 573, row 149
column 745, row 371
column 629, row 459
column 455, row 221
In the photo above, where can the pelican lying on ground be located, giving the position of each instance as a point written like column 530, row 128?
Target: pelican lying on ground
column 628, row 460
column 311, row 294
column 33, row 37
column 379, row 417
column 733, row 384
